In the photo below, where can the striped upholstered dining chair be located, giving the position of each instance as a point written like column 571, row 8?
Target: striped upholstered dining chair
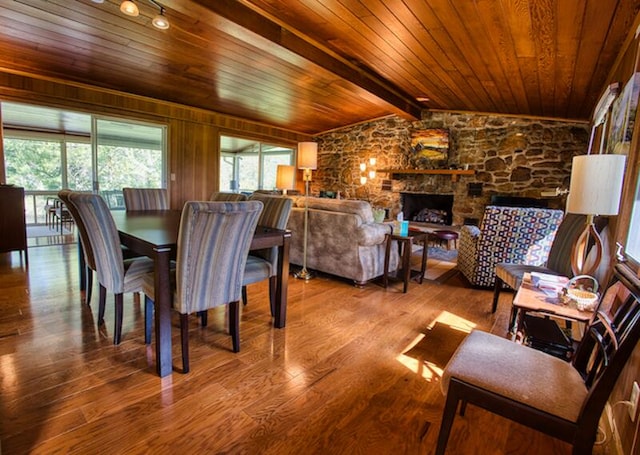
column 115, row 274
column 89, row 260
column 145, row 199
column 213, row 244
column 263, row 264
column 221, row 196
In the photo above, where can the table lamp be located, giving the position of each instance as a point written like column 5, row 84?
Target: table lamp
column 596, row 185
column 285, row 178
column 307, row 161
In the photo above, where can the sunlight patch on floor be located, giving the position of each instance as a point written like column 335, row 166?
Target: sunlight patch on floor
column 428, row 353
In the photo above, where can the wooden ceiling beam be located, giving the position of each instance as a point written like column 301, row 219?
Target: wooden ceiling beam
column 269, row 29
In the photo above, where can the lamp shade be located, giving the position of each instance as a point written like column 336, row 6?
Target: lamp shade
column 307, row 155
column 596, row 184
column 285, row 177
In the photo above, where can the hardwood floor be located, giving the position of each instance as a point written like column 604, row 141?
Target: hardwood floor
column 354, row 371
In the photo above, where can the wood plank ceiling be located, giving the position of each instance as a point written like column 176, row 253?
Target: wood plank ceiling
column 314, row 65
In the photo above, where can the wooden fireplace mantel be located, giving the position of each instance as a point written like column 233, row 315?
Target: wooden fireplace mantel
column 454, row 173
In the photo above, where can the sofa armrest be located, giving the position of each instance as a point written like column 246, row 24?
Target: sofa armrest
column 372, row 233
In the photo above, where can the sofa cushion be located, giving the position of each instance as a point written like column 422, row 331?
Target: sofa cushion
column 353, row 206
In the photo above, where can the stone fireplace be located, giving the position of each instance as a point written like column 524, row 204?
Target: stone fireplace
column 427, row 208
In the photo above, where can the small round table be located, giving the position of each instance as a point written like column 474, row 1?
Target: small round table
column 446, row 236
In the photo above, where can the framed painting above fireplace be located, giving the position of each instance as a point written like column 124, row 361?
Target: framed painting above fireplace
column 430, row 144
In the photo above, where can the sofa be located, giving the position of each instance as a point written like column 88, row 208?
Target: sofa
column 343, row 239
column 506, row 234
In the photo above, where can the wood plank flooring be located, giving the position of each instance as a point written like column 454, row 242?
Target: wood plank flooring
column 355, row 371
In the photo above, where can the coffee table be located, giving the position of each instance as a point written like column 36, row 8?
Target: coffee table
column 405, row 244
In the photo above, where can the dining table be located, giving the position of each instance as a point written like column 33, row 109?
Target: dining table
column 155, row 234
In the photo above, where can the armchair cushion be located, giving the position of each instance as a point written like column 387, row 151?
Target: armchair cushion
column 507, row 234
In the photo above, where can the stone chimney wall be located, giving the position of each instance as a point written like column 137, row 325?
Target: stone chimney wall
column 510, row 156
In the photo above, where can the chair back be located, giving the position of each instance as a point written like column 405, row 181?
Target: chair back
column 145, row 199
column 213, row 245
column 609, row 342
column 275, row 214
column 102, row 235
column 221, row 196
column 570, row 229
column 82, row 229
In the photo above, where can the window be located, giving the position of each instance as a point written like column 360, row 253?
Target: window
column 49, row 149
column 247, row 165
column 633, row 238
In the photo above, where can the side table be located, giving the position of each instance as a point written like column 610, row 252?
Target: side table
column 405, row 244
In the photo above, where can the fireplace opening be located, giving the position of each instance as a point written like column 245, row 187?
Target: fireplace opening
column 427, row 208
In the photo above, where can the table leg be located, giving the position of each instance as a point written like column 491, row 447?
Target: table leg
column 282, row 283
column 406, row 261
column 387, row 253
column 162, row 279
column 423, row 267
column 82, row 267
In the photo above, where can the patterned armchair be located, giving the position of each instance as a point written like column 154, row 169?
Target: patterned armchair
column 506, row 234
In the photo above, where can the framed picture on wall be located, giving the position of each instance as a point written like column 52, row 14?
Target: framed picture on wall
column 623, row 115
column 430, row 144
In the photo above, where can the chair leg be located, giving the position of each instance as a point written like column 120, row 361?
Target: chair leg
column 244, row 295
column 204, row 318
column 184, row 339
column 88, row 285
column 117, row 332
column 148, row 319
column 102, row 304
column 448, row 415
column 234, row 325
column 496, row 294
column 272, row 294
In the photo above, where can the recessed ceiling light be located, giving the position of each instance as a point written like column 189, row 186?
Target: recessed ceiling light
column 423, row 99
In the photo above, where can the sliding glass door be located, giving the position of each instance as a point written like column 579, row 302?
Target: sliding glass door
column 49, row 149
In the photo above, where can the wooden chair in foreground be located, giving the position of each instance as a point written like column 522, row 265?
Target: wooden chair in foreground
column 563, row 400
column 213, row 245
column 145, row 199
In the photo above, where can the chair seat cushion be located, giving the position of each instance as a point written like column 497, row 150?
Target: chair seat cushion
column 519, row 373
column 511, row 274
column 256, row 270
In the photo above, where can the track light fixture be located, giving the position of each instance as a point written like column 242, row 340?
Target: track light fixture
column 129, row 8
column 160, row 21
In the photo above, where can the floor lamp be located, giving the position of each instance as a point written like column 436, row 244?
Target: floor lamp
column 307, row 161
column 596, row 185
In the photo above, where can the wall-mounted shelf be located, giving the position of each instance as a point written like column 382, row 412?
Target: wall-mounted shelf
column 454, row 173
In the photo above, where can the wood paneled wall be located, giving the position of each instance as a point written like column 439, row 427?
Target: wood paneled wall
column 193, row 134
column 626, row 65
